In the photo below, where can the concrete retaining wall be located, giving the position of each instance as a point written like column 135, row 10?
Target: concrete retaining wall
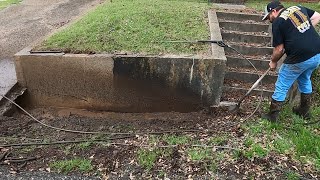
column 124, row 84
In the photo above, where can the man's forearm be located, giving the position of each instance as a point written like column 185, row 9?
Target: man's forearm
column 277, row 53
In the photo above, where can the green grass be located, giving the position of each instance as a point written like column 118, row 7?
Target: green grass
column 77, row 164
column 219, row 140
column 288, row 137
column 306, row 143
column 256, row 151
column 175, row 140
column 147, row 158
column 205, row 156
column 85, row 145
column 199, row 154
column 6, row 3
column 136, row 26
column 281, row 145
column 292, row 176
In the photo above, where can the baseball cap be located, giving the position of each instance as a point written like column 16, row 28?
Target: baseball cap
column 272, row 5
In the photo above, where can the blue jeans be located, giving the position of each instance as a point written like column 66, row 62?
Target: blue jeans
column 301, row 72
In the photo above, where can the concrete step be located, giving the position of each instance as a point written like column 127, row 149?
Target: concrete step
column 6, row 107
column 241, row 17
column 260, row 63
column 236, row 84
column 228, row 93
column 245, row 38
column 246, row 49
column 249, row 36
column 248, row 77
column 243, row 26
column 240, row 86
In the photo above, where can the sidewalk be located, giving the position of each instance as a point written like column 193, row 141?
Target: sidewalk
column 28, row 22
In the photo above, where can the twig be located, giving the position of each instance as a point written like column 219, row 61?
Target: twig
column 216, row 147
column 14, row 138
column 171, row 146
column 63, row 142
column 20, row 160
column 23, row 165
column 171, row 131
column 3, row 155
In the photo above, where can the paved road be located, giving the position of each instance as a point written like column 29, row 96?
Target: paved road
column 29, row 22
column 24, row 25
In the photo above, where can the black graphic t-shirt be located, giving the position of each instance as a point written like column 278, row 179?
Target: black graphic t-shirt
column 293, row 28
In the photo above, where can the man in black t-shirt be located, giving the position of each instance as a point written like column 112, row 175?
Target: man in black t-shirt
column 294, row 34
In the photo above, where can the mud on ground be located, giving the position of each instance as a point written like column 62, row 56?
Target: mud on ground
column 148, row 132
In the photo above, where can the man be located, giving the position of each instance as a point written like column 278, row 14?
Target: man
column 294, row 34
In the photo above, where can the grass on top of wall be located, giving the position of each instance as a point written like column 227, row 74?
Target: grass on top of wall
column 136, row 26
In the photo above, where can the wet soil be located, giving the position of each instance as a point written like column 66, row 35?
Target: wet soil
column 117, row 159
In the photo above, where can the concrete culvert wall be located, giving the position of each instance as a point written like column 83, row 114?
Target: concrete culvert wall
column 121, row 84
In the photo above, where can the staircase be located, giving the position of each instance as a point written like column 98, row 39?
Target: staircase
column 248, row 35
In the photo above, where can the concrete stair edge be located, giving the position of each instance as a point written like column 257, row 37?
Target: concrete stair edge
column 6, row 107
column 266, row 93
column 249, row 77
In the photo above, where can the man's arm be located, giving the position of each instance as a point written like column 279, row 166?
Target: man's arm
column 315, row 18
column 278, row 51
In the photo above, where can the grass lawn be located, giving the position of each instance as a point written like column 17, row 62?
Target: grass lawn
column 6, row 3
column 137, row 26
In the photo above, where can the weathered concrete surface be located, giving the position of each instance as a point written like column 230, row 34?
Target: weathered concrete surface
column 242, row 26
column 239, row 16
column 7, row 108
column 238, row 62
column 123, row 84
column 215, row 34
column 28, row 22
column 192, row 78
column 250, row 77
column 250, row 50
column 227, row 36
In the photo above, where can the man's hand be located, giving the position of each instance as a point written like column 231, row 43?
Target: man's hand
column 273, row 65
column 315, row 19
